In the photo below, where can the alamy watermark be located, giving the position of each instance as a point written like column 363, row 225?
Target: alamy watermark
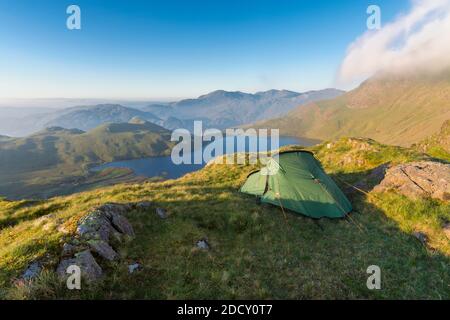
column 73, row 22
column 74, row 280
column 374, row 280
column 374, row 19
column 201, row 146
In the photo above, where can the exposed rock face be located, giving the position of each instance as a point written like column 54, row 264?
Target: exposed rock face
column 68, row 249
column 87, row 264
column 122, row 225
column 161, row 213
column 33, row 270
column 441, row 139
column 95, row 226
column 103, row 249
column 94, row 234
column 369, row 181
column 418, row 179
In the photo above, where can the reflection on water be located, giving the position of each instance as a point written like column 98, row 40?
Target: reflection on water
column 164, row 167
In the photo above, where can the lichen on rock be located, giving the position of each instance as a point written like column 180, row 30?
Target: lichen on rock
column 418, row 180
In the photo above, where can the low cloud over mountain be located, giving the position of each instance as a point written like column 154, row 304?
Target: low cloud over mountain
column 416, row 41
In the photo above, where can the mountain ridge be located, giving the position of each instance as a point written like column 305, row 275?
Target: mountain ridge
column 223, row 109
column 400, row 111
column 55, row 155
column 78, row 117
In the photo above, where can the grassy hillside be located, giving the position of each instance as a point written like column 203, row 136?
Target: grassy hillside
column 255, row 252
column 438, row 145
column 55, row 156
column 390, row 109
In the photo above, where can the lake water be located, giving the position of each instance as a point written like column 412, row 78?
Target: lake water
column 164, row 167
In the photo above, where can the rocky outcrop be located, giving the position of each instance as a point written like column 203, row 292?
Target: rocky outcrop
column 373, row 178
column 440, row 139
column 32, row 271
column 90, row 269
column 95, row 235
column 161, row 213
column 418, row 180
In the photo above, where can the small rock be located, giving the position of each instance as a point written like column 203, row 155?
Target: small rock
column 134, row 267
column 114, row 208
column 203, row 244
column 63, row 229
column 116, row 236
column 33, row 270
column 122, row 224
column 68, row 249
column 422, row 237
column 161, row 213
column 103, row 249
column 89, row 267
column 143, row 205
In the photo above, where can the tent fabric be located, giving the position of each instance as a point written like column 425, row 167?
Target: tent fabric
column 300, row 185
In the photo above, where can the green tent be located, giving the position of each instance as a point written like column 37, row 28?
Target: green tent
column 299, row 184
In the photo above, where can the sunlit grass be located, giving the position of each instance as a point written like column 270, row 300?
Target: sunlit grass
column 255, row 252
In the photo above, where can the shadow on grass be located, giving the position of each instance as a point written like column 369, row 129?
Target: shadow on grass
column 12, row 219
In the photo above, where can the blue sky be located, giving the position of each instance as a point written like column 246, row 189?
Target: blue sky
column 172, row 49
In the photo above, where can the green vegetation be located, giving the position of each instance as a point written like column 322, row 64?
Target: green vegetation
column 255, row 251
column 390, row 109
column 57, row 160
column 438, row 145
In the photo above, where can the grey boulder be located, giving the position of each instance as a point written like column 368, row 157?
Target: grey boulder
column 103, row 249
column 87, row 264
column 418, row 179
column 32, row 271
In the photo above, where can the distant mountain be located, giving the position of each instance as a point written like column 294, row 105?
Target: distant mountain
column 18, row 112
column 218, row 109
column 82, row 117
column 54, row 154
column 222, row 109
column 394, row 109
column 88, row 117
column 108, row 142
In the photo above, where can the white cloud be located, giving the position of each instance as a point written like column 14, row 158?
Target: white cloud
column 417, row 41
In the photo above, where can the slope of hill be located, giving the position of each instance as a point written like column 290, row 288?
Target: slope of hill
column 55, row 155
column 255, row 251
column 20, row 112
column 438, row 145
column 82, row 117
column 391, row 109
column 222, row 109
column 4, row 138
